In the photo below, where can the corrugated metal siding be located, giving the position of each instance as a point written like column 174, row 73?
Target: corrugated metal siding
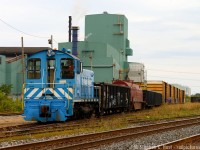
column 2, row 70
column 15, row 51
column 136, row 72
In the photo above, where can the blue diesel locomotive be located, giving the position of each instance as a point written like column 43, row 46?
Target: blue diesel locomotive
column 57, row 87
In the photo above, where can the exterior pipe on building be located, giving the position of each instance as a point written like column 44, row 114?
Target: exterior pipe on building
column 100, row 66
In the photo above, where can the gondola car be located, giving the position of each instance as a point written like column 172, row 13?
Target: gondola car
column 195, row 99
column 112, row 98
column 152, row 98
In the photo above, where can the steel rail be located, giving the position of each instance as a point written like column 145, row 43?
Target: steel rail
column 34, row 129
column 185, row 143
column 96, row 139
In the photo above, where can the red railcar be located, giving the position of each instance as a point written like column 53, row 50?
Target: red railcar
column 136, row 93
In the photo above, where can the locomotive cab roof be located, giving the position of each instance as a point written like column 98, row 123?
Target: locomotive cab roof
column 53, row 52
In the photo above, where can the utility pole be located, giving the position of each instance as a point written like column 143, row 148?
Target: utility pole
column 22, row 42
column 70, row 28
column 51, row 41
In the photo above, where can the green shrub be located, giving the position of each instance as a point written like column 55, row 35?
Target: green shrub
column 9, row 105
column 4, row 88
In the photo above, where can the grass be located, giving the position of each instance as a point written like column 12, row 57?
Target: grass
column 168, row 111
column 118, row 121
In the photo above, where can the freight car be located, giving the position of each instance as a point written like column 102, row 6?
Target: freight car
column 152, row 98
column 170, row 93
column 57, row 88
column 112, row 98
column 136, row 96
column 195, row 99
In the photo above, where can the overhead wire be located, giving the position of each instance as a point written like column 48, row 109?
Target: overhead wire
column 36, row 36
column 173, row 78
column 173, row 71
column 21, row 30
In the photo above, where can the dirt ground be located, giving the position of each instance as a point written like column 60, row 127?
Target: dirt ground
column 6, row 121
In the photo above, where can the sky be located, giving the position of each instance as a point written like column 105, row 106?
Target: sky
column 164, row 34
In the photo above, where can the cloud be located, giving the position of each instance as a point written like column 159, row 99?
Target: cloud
column 137, row 18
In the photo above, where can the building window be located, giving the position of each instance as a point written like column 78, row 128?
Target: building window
column 67, row 68
column 34, row 66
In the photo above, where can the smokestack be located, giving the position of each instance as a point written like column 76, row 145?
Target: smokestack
column 70, row 26
column 75, row 40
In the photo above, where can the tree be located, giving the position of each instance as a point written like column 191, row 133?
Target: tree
column 196, row 95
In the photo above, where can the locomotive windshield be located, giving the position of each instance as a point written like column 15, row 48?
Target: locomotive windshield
column 34, row 66
column 67, row 68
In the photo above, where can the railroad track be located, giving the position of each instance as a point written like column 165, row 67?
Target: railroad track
column 11, row 114
column 102, row 138
column 37, row 128
column 192, row 142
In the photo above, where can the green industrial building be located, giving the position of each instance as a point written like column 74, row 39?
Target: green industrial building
column 11, row 73
column 11, row 67
column 106, row 46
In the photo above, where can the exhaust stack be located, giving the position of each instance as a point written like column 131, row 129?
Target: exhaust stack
column 75, row 40
column 70, row 26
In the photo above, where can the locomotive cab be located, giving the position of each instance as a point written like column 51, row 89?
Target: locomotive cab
column 53, row 83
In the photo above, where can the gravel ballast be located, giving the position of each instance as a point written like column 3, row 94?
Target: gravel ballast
column 153, row 140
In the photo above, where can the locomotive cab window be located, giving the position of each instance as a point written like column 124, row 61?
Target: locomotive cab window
column 51, row 72
column 79, row 67
column 34, row 66
column 67, row 68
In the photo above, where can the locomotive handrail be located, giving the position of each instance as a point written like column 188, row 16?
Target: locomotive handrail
column 23, row 85
column 54, row 76
column 42, row 76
